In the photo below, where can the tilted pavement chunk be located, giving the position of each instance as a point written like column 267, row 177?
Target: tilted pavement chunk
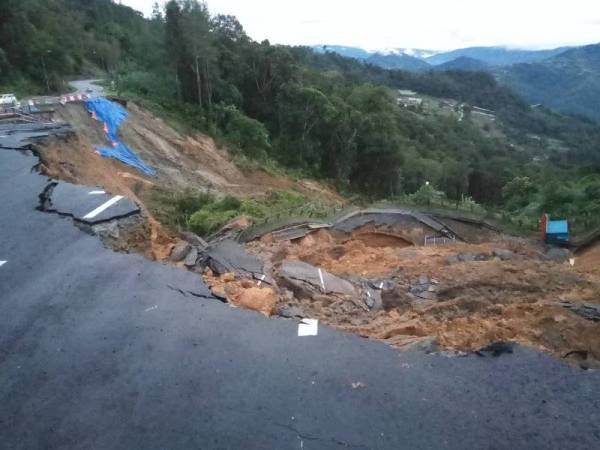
column 86, row 204
column 230, row 257
column 303, row 275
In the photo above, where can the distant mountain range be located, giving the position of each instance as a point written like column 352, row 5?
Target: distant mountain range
column 495, row 56
column 566, row 79
column 568, row 82
column 462, row 63
column 461, row 59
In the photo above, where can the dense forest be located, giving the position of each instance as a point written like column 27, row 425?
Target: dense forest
column 330, row 117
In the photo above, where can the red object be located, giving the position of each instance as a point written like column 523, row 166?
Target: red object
column 544, row 226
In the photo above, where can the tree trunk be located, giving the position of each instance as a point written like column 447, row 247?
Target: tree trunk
column 208, row 86
column 198, row 83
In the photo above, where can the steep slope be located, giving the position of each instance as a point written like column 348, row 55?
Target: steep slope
column 568, row 82
column 185, row 164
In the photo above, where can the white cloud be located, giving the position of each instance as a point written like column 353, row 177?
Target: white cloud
column 435, row 24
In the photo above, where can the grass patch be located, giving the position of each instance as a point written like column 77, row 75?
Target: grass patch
column 204, row 213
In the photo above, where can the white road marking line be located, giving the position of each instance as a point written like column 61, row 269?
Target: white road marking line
column 262, row 278
column 103, row 207
column 2, row 263
column 321, row 278
column 381, row 286
column 308, row 327
column 152, row 308
column 96, row 193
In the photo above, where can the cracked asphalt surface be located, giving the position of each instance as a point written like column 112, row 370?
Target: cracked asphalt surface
column 111, row 351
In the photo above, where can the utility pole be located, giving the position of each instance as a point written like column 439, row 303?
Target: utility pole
column 46, row 72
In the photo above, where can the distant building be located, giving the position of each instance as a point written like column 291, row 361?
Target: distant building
column 408, row 98
column 406, row 93
column 410, row 101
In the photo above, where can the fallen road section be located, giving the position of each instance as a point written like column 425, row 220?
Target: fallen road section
column 86, row 204
column 378, row 274
column 21, row 136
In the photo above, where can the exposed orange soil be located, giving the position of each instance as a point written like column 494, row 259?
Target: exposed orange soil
column 477, row 302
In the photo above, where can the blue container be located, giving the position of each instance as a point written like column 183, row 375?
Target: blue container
column 557, row 232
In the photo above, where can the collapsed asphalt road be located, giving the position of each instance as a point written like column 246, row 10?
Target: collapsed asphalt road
column 107, row 350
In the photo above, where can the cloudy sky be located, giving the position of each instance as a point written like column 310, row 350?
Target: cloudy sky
column 429, row 24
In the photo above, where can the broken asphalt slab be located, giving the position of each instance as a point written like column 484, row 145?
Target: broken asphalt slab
column 86, row 204
column 586, row 310
column 230, row 257
column 97, row 351
column 314, row 279
column 21, row 136
column 379, row 217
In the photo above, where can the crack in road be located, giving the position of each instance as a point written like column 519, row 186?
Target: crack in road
column 192, row 293
column 332, row 439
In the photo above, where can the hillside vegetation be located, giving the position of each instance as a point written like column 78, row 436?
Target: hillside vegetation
column 322, row 114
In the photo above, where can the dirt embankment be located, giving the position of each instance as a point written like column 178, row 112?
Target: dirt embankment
column 474, row 297
column 183, row 163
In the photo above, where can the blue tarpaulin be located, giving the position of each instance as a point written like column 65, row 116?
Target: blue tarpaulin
column 113, row 115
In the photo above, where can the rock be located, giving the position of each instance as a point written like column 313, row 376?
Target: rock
column 427, row 344
column 191, row 258
column 219, row 292
column 466, row 257
column 586, row 310
column 107, row 230
column 470, row 257
column 496, row 349
column 423, row 280
column 193, row 239
column 382, row 285
column 372, row 299
column 263, row 278
column 426, row 295
column 247, row 284
column 482, row 257
column 228, row 277
column 180, row 251
column 290, row 312
column 396, row 298
column 559, row 255
column 503, row 254
column 262, row 300
column 451, row 260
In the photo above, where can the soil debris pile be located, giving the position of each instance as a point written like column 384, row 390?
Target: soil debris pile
column 455, row 297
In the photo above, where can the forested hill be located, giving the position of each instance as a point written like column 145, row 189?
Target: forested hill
column 329, row 116
column 568, row 82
